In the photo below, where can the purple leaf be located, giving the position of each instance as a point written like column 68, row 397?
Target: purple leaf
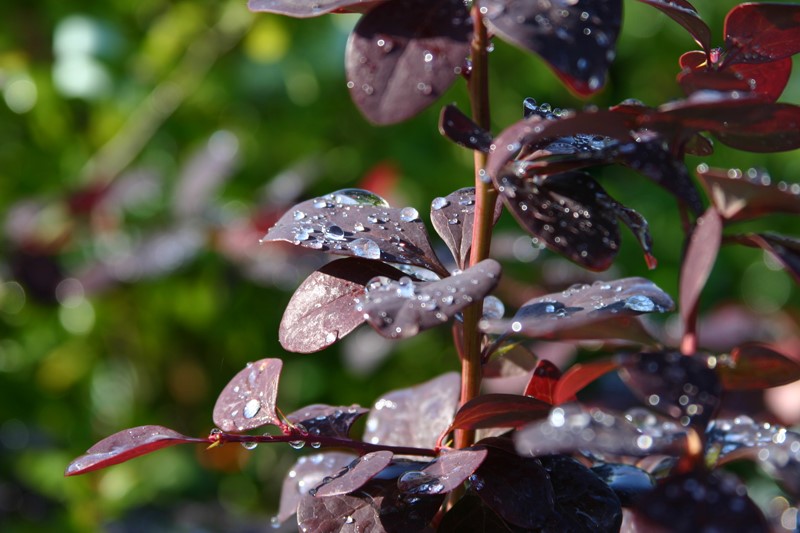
column 460, row 129
column 754, row 366
column 686, row 15
column 785, row 249
column 577, row 39
column 126, row 445
column 542, row 383
column 248, row 400
column 326, row 421
column 761, row 33
column 741, row 196
column 310, row 8
column 453, row 217
column 354, row 475
column 358, row 223
column 401, row 309
column 323, row 308
column 499, row 410
column 415, row 416
column 447, row 472
column 579, row 376
column 402, row 55
column 701, row 253
column 574, row 312
column 306, row 474
column 770, row 79
column 470, row 511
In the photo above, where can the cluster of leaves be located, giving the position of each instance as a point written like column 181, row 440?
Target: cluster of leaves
column 544, row 461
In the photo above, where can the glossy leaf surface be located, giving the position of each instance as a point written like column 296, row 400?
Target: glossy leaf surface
column 460, row 129
column 627, row 481
column 699, row 259
column 248, row 400
column 745, row 195
column 579, row 376
column 686, row 15
column 762, row 32
column 326, row 420
column 306, row 474
column 451, row 469
column 354, row 475
column 542, row 383
column 785, row 249
column 499, row 410
column 308, row 8
column 755, row 366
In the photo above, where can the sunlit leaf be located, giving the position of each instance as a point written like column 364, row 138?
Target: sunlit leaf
column 499, row 410
column 306, row 474
column 741, row 195
column 699, row 259
column 325, row 420
column 580, row 376
column 460, row 129
column 354, row 475
column 309, row 8
column 754, row 366
column 542, row 383
column 248, row 400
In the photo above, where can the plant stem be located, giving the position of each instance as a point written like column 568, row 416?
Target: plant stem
column 485, row 198
column 321, row 442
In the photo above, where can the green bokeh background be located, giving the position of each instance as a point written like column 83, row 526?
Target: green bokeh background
column 157, row 351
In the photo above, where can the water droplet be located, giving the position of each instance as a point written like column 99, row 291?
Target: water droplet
column 320, row 203
column 365, row 248
column 330, row 337
column 249, row 445
column 301, row 234
column 427, row 57
column 274, row 522
column 439, row 203
column 251, row 408
column 405, row 288
column 316, row 445
column 335, row 232
column 358, row 197
column 358, row 226
column 349, row 519
column 408, row 214
column 640, row 303
column 493, row 307
column 299, row 215
column 297, row 444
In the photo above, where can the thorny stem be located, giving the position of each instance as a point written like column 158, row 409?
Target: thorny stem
column 485, row 198
column 216, row 439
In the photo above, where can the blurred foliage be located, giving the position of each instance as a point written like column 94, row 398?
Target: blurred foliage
column 151, row 93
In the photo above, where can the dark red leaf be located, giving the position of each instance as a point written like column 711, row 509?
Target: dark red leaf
column 325, row 420
column 460, row 129
column 769, row 79
column 415, row 416
column 354, row 475
column 686, row 15
column 755, row 366
column 310, row 8
column 692, row 81
column 513, row 361
column 693, row 60
column 401, row 309
column 577, row 39
column 470, row 511
column 248, row 400
column 361, row 224
column 785, row 249
column 543, row 381
column 701, row 253
column 579, row 376
column 323, row 308
column 126, row 445
column 587, row 311
column 741, row 195
column 761, row 32
column 499, row 410
column 306, row 474
column 778, row 132
column 402, row 55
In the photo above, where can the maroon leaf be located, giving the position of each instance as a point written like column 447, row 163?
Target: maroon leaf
column 453, row 217
column 713, row 80
column 401, row 309
column 760, row 33
column 355, row 475
column 769, row 79
column 741, row 196
column 701, row 253
column 694, row 60
column 583, row 311
column 499, row 410
column 516, row 361
column 579, row 376
column 778, row 132
column 469, row 511
column 323, row 308
column 248, row 400
column 543, row 381
column 309, row 8
column 447, row 472
column 686, row 15
column 414, row 416
column 577, row 39
column 402, row 55
column 358, row 223
column 785, row 249
column 306, row 474
column 460, row 129
column 126, row 445
column 755, row 366
column 327, row 421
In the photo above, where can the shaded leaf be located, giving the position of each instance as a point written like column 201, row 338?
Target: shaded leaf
column 543, row 381
column 471, row 513
column 701, row 253
column 323, row 308
column 785, row 249
column 741, row 195
column 401, row 309
column 627, row 481
column 354, row 475
column 579, row 376
column 453, row 217
column 327, row 421
column 760, row 33
column 248, row 400
column 499, row 410
column 415, row 416
column 402, row 55
column 686, row 15
column 306, row 474
column 770, row 79
column 460, row 129
column 577, row 39
column 358, row 223
column 309, row 8
column 755, row 366
column 510, row 361
column 126, row 445
column 568, row 313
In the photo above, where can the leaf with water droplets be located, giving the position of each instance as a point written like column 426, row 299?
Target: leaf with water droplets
column 310, row 8
column 755, row 366
column 248, row 400
column 362, row 228
column 761, row 33
column 403, row 55
column 415, row 416
column 126, row 445
column 354, row 475
column 453, row 217
column 699, row 259
column 686, row 15
column 306, row 474
column 499, row 411
column 579, row 376
column 323, row 308
column 741, row 195
column 460, row 129
column 785, row 249
column 602, row 310
column 452, row 468
column 576, row 38
column 401, row 309
column 683, row 387
column 327, row 421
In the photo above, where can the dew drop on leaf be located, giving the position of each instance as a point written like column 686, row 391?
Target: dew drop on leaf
column 297, row 444
column 408, row 214
column 251, row 408
column 439, row 203
column 249, row 445
column 365, row 248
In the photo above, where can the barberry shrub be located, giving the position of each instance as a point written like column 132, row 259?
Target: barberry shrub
column 445, row 456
